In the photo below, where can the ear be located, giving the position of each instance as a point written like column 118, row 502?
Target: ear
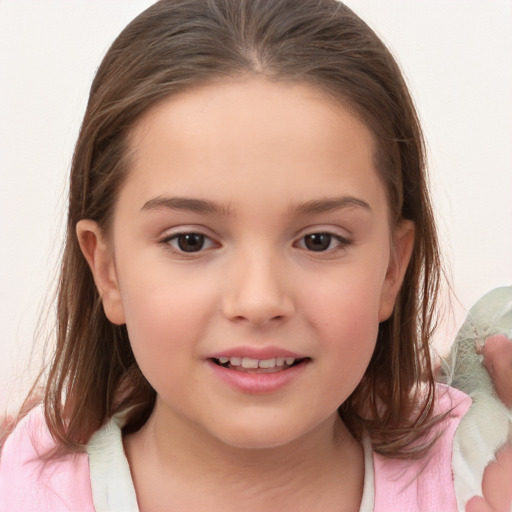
column 101, row 261
column 401, row 250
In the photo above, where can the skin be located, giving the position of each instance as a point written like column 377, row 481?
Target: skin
column 496, row 489
column 497, row 353
column 263, row 153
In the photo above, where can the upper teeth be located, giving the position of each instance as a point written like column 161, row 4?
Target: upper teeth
column 249, row 362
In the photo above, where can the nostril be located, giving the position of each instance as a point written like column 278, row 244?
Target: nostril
column 257, row 298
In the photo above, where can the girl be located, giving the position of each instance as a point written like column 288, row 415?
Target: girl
column 249, row 278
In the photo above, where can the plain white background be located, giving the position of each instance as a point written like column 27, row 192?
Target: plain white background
column 455, row 54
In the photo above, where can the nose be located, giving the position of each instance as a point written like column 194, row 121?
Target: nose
column 259, row 290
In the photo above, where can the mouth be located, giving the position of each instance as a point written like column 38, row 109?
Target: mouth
column 250, row 365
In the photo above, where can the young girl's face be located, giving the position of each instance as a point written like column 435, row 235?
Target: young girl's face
column 251, row 259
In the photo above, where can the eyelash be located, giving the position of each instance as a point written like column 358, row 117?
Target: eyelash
column 167, row 241
column 341, row 242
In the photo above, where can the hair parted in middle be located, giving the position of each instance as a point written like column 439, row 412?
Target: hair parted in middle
column 180, row 44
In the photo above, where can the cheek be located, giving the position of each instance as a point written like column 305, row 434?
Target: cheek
column 345, row 317
column 166, row 314
column 347, row 300
column 347, row 337
column 165, row 328
column 350, row 332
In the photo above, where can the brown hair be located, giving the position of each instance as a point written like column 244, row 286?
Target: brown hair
column 177, row 44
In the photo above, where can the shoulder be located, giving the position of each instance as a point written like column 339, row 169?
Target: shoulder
column 425, row 484
column 29, row 482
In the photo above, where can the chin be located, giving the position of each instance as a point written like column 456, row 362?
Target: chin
column 258, row 436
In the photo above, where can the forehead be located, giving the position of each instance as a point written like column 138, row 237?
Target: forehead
column 252, row 138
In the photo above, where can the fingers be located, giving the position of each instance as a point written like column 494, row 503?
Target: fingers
column 497, row 353
column 478, row 504
column 496, row 485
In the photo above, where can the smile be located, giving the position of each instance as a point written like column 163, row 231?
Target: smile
column 258, row 376
column 248, row 364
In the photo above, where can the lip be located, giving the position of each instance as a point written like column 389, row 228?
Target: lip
column 258, row 383
column 261, row 353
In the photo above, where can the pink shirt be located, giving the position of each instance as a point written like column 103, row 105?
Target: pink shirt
column 28, row 484
column 424, row 485
column 100, row 479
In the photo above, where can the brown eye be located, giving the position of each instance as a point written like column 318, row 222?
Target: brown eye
column 189, row 242
column 318, row 241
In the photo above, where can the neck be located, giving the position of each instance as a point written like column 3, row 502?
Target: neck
column 326, row 465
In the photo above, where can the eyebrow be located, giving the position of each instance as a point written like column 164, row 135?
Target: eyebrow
column 329, row 205
column 204, row 206
column 187, row 204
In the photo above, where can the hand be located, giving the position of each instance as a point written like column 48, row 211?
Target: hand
column 496, row 485
column 497, row 479
column 497, row 353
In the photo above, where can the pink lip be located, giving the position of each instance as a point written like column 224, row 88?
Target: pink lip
column 258, row 383
column 261, row 353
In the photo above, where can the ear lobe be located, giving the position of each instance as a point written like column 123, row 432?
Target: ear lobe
column 100, row 258
column 401, row 251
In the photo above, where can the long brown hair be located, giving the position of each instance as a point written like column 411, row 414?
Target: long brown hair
column 177, row 44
